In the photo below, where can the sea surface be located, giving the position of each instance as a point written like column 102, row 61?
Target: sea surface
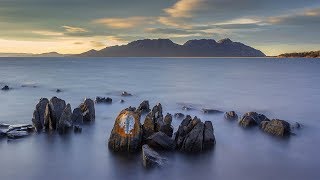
column 287, row 89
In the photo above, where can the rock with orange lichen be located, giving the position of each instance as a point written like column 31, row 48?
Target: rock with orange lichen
column 126, row 135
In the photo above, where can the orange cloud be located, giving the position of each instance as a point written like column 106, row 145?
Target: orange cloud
column 123, row 23
column 72, row 29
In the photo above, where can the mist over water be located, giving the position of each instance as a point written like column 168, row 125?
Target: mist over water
column 287, row 89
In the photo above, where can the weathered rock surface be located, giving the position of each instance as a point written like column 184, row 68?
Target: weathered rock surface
column 2, row 133
column 160, row 140
column 56, row 108
column 166, row 126
column 276, row 127
column 194, row 135
column 144, row 107
column 65, row 122
column 39, row 114
column 88, row 110
column 231, row 115
column 21, row 127
column 103, row 100
column 77, row 117
column 17, row 134
column 153, row 121
column 151, row 158
column 211, row 111
column 252, row 119
column 126, row 135
column 5, row 88
column 178, row 115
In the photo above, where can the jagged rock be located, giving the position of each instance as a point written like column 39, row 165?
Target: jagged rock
column 17, row 134
column 77, row 129
column 208, row 136
column 39, row 114
column 178, row 115
column 5, row 88
column 47, row 119
column 252, row 119
column 231, row 115
column 126, row 135
column 144, row 107
column 124, row 93
column 77, row 116
column 88, row 110
column 194, row 136
column 276, row 127
column 153, row 121
column 57, row 106
column 103, row 100
column 65, row 122
column 151, row 158
column 168, row 119
column 166, row 127
column 160, row 140
column 211, row 111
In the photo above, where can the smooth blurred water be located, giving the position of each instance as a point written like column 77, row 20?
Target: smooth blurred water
column 280, row 88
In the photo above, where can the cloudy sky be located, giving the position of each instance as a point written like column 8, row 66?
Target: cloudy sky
column 74, row 26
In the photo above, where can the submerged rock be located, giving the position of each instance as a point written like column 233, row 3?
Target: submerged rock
column 161, row 141
column 39, row 114
column 276, row 127
column 17, row 134
column 252, row 119
column 58, row 90
column 231, row 115
column 151, row 158
column 211, row 111
column 121, row 101
column 153, row 121
column 103, row 100
column 5, row 88
column 88, row 110
column 124, row 93
column 65, row 122
column 126, row 135
column 178, row 115
column 144, row 107
column 2, row 133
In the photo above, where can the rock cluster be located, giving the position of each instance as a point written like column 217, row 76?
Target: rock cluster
column 16, row 131
column 57, row 115
column 103, row 100
column 231, row 115
column 250, row 119
column 5, row 88
column 144, row 107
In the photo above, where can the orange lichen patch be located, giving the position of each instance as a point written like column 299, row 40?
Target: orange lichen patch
column 127, row 124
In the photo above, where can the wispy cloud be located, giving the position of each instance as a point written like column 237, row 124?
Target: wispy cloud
column 47, row 33
column 123, row 23
column 72, row 29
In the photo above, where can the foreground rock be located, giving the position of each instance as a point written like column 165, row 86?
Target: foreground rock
column 166, row 126
column 250, row 119
column 126, row 135
column 144, row 107
column 194, row 136
column 39, row 114
column 77, row 117
column 231, row 115
column 100, row 100
column 56, row 107
column 88, row 110
column 161, row 141
column 153, row 121
column 151, row 158
column 17, row 134
column 21, row 127
column 276, row 127
column 65, row 121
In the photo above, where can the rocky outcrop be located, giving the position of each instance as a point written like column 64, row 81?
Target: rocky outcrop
column 276, row 127
column 100, row 100
column 88, row 110
column 65, row 121
column 161, row 141
column 151, row 158
column 56, row 107
column 231, row 115
column 126, row 135
column 77, row 117
column 39, row 114
column 194, row 136
column 153, row 121
column 250, row 119
column 144, row 107
column 166, row 126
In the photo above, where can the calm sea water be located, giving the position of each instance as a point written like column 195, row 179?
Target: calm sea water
column 280, row 88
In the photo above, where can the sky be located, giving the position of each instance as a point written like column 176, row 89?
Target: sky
column 75, row 26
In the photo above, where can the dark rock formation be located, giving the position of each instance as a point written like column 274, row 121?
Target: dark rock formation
column 77, row 117
column 2, row 133
column 276, row 127
column 231, row 115
column 153, row 121
column 161, row 141
column 58, row 90
column 252, row 119
column 178, row 115
column 194, row 136
column 5, row 88
column 166, row 126
column 56, row 108
column 17, row 134
column 39, row 114
column 126, row 135
column 88, row 110
column 151, row 158
column 144, row 107
column 77, row 129
column 121, row 101
column 103, row 100
column 65, row 122
column 211, row 111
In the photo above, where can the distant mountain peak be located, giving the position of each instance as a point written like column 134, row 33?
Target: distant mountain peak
column 225, row 41
column 152, row 43
column 198, row 43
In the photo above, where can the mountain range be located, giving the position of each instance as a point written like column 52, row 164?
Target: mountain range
column 167, row 48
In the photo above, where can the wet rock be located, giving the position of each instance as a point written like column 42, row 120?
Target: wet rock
column 65, row 122
column 124, row 93
column 166, row 127
column 144, row 107
column 151, row 158
column 178, row 115
column 5, row 88
column 211, row 111
column 77, row 116
column 231, row 115
column 126, row 135
column 58, row 90
column 57, row 106
column 17, row 134
column 276, row 127
column 3, row 125
column 194, row 136
column 88, row 110
column 2, row 134
column 161, row 141
column 21, row 127
column 121, row 101
column 103, row 100
column 77, row 129
column 168, row 119
column 252, row 119
column 187, row 108
column 153, row 121
column 39, row 114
